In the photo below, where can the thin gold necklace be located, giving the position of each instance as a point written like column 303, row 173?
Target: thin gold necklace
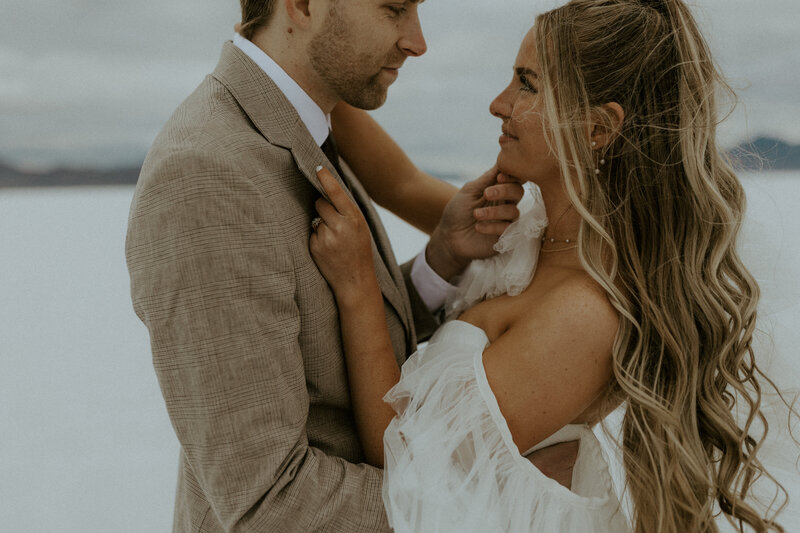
column 559, row 249
column 564, row 241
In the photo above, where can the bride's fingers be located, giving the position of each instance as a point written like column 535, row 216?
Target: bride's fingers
column 338, row 198
column 327, row 212
column 501, row 213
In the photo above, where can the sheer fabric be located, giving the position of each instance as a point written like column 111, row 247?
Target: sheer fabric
column 511, row 270
column 451, row 464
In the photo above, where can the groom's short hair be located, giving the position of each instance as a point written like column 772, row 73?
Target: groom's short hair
column 255, row 15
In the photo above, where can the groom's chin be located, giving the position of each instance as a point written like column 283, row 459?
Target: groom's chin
column 369, row 101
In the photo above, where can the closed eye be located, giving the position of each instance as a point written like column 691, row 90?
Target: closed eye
column 525, row 76
column 397, row 10
column 527, row 85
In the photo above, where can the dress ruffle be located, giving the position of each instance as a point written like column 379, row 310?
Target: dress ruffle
column 451, row 464
column 509, row 271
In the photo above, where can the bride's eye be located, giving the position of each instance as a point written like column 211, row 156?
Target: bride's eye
column 527, row 85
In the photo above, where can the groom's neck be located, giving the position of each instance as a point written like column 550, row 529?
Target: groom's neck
column 290, row 50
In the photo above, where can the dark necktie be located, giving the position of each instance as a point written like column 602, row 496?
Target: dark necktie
column 330, row 151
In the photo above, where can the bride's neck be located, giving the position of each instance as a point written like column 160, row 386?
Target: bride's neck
column 564, row 223
column 563, row 220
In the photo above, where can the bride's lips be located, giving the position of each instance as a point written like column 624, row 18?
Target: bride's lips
column 507, row 137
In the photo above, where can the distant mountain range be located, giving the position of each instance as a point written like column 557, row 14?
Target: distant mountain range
column 66, row 177
column 766, row 153
column 762, row 154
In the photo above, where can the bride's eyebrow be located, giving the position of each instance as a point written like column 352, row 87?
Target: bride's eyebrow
column 525, row 71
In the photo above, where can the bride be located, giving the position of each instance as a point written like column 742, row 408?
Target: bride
column 633, row 292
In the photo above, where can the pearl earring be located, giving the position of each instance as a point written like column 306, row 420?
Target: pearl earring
column 602, row 160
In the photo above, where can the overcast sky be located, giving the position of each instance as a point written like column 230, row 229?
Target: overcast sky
column 91, row 82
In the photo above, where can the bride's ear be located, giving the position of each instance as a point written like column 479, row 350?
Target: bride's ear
column 607, row 122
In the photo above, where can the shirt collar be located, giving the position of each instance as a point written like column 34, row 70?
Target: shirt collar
column 317, row 122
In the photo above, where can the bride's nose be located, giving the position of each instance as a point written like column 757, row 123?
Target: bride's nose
column 501, row 106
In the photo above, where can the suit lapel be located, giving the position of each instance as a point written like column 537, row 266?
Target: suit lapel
column 308, row 157
column 277, row 120
column 383, row 247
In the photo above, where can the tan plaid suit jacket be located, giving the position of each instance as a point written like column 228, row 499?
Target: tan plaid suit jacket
column 243, row 327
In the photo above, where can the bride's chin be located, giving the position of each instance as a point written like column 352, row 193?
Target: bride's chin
column 514, row 171
column 504, row 167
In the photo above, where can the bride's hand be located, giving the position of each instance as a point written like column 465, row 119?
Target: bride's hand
column 341, row 244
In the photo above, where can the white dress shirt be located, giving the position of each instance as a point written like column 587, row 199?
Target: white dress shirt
column 317, row 122
column 430, row 286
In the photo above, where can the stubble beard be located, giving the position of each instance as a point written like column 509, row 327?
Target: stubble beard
column 341, row 66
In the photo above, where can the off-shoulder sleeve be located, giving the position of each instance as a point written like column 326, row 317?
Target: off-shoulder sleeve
column 451, row 464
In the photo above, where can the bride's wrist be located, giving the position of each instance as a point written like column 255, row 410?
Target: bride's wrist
column 356, row 295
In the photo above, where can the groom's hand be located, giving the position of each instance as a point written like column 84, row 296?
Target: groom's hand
column 472, row 222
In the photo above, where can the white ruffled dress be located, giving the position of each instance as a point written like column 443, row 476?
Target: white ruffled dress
column 450, row 462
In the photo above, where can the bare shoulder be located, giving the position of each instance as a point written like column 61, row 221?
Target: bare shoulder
column 555, row 359
column 575, row 307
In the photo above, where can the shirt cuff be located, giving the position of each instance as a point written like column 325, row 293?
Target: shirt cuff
column 430, row 286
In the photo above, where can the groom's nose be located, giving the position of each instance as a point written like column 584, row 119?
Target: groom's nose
column 411, row 41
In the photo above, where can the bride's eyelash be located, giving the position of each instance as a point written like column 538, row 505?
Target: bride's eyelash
column 527, row 85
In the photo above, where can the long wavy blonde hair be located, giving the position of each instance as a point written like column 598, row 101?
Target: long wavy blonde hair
column 658, row 232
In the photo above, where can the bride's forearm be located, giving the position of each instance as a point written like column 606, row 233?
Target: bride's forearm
column 371, row 365
column 388, row 175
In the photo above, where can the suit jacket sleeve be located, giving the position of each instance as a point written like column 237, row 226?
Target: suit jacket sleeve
column 214, row 284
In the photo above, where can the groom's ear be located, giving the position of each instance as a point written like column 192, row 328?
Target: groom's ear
column 300, row 11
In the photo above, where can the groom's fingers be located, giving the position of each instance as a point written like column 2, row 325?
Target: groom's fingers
column 493, row 228
column 488, row 177
column 500, row 213
column 505, row 178
column 486, row 180
column 504, row 192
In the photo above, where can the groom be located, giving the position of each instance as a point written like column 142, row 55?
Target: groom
column 244, row 329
